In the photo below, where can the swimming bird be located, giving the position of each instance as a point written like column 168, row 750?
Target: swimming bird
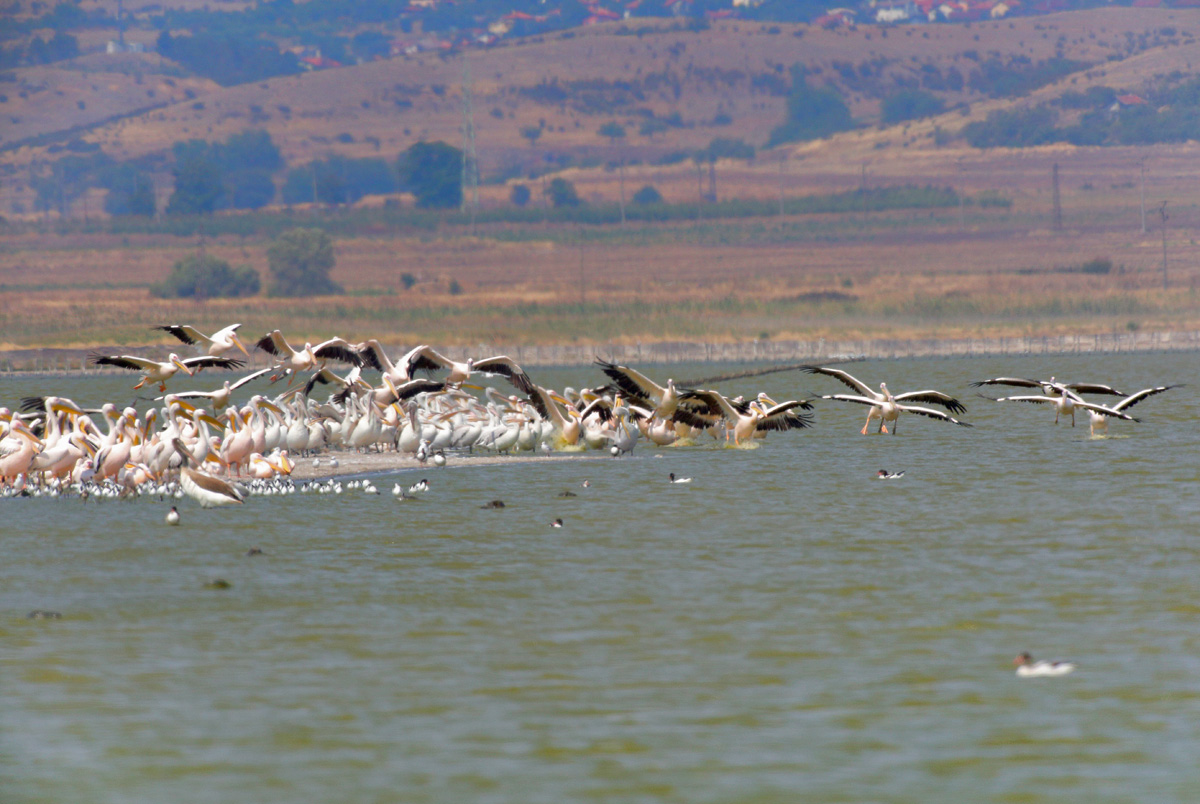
column 558, row 523
column 1028, row 668
column 221, row 341
column 884, row 474
column 887, row 406
column 173, row 516
column 674, row 479
column 1099, row 421
column 205, row 489
column 160, row 372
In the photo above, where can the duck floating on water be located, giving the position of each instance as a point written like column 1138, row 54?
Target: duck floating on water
column 884, row 474
column 674, row 479
column 1028, row 668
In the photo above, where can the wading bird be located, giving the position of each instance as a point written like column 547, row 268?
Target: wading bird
column 886, row 406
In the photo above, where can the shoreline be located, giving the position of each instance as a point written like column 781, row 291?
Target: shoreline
column 58, row 362
column 351, row 464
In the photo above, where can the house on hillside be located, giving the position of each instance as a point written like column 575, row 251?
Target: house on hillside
column 894, row 11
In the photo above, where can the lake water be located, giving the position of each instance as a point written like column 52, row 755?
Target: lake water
column 785, row 628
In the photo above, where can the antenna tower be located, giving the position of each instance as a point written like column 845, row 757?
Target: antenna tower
column 470, row 164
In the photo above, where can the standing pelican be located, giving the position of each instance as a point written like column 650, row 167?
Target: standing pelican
column 221, row 341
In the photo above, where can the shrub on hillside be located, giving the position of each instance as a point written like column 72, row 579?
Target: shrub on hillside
column 203, row 276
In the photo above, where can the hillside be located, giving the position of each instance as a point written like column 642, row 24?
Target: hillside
column 730, row 80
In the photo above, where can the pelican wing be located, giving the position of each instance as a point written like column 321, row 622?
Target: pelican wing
column 932, row 397
column 419, row 386
column 546, row 407
column 858, row 400
column 273, row 344
column 373, row 356
column 717, row 406
column 338, row 349
column 600, row 407
column 933, row 414
column 207, row 361
column 254, row 375
column 1092, row 388
column 844, row 377
column 1039, row 400
column 188, row 334
column 123, row 361
column 506, row 367
column 1103, row 411
column 632, row 383
column 780, row 417
column 1132, row 400
column 1018, row 382
column 423, row 358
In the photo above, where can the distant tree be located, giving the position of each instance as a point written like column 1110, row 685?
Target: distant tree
column 371, row 44
column 251, row 189
column 130, row 191
column 652, row 126
column 722, row 148
column 252, row 149
column 432, row 171
column 300, row 261
column 910, row 104
column 520, row 195
column 59, row 47
column 531, row 133
column 647, row 195
column 812, row 112
column 203, row 276
column 199, row 179
column 562, row 193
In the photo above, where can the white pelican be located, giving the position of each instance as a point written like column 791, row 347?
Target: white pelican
column 1028, row 668
column 423, row 356
column 1065, row 405
column 664, row 402
column 752, row 418
column 221, row 341
column 1052, row 386
column 221, row 397
column 306, row 359
column 886, row 406
column 1099, row 421
column 161, row 372
column 205, row 489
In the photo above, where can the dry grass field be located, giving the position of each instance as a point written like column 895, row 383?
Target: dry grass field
column 899, row 274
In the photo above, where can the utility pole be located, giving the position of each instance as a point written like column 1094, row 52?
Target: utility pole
column 782, row 166
column 1163, row 211
column 1057, row 202
column 470, row 165
column 862, row 190
column 1143, row 164
column 962, row 198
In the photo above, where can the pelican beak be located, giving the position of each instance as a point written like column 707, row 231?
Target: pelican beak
column 238, row 343
column 270, row 406
column 472, row 387
column 215, row 422
column 181, row 365
column 66, row 406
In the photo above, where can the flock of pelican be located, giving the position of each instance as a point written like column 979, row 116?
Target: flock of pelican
column 206, row 445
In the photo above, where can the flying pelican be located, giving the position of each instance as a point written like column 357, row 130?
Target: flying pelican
column 664, row 402
column 1052, row 386
column 222, row 396
column 220, row 342
column 755, row 417
column 205, row 489
column 1028, row 668
column 1100, row 422
column 306, row 359
column 161, row 372
column 1065, row 404
column 886, row 406
column 459, row 372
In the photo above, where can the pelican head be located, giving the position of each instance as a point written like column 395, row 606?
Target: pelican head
column 174, row 360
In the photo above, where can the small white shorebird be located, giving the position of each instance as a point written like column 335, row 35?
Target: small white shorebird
column 1028, row 668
